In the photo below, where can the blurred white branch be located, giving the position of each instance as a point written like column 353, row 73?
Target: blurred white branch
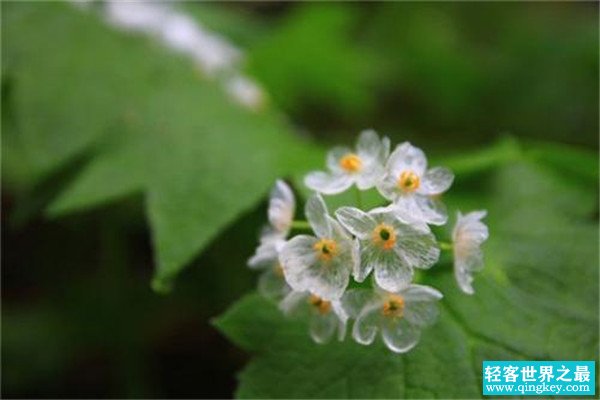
column 216, row 57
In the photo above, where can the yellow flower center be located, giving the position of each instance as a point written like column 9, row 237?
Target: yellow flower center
column 393, row 306
column 384, row 236
column 322, row 306
column 408, row 181
column 351, row 163
column 326, row 249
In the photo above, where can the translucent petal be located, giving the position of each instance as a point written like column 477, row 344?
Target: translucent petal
column 470, row 229
column 407, row 209
column 316, row 213
column 267, row 253
column 335, row 155
column 351, row 256
column 333, row 277
column 326, row 279
column 347, row 245
column 292, row 302
column 421, row 304
column 474, row 260
column 420, row 208
column 282, row 206
column 391, row 272
column 421, row 314
column 342, row 317
column 406, row 157
column 355, row 300
column 356, row 257
column 369, row 146
column 264, row 256
column 385, row 151
column 358, row 222
column 468, row 235
column 329, row 284
column 326, row 183
column 391, row 215
column 436, row 180
column 337, row 231
column 348, row 248
column 323, row 326
column 467, row 245
column 464, row 278
column 339, row 310
column 342, row 328
column 417, row 293
column 370, row 176
column 296, row 258
column 367, row 323
column 365, row 265
column 399, row 335
column 388, row 187
column 416, row 248
column 272, row 284
column 433, row 210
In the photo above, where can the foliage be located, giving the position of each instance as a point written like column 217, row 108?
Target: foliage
column 542, row 244
column 115, row 148
column 163, row 131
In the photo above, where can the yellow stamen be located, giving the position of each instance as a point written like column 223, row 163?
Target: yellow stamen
column 351, row 162
column 326, row 249
column 408, row 181
column 393, row 306
column 384, row 236
column 323, row 306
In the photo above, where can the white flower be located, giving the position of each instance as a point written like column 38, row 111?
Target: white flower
column 271, row 283
column 413, row 188
column 321, row 264
column 468, row 235
column 389, row 246
column 281, row 210
column 363, row 166
column 326, row 317
column 267, row 251
column 282, row 206
column 399, row 316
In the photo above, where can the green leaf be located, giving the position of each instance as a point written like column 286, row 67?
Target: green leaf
column 60, row 100
column 302, row 369
column 569, row 161
column 150, row 122
column 535, row 299
column 220, row 162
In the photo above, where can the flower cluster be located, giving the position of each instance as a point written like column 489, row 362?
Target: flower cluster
column 310, row 274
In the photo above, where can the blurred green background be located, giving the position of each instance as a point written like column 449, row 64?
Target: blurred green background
column 82, row 168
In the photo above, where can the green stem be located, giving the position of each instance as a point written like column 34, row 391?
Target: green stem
column 445, row 245
column 301, row 224
column 358, row 194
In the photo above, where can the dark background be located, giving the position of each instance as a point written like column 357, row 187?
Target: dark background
column 79, row 318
